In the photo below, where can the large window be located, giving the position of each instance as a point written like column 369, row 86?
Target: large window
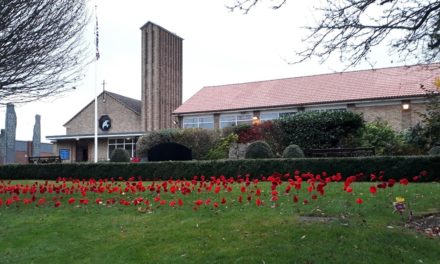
column 206, row 122
column 265, row 116
column 235, row 120
column 128, row 144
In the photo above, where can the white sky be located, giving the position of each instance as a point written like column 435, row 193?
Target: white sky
column 219, row 47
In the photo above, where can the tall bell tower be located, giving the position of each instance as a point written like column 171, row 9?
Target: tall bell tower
column 161, row 76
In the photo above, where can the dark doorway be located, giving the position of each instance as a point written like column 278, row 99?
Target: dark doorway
column 169, row 151
column 82, row 151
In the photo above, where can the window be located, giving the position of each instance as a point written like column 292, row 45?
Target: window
column 265, row 116
column 234, row 120
column 324, row 110
column 206, row 122
column 128, row 144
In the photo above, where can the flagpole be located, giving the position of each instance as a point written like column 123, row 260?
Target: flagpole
column 96, row 87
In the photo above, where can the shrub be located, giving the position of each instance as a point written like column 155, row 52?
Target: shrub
column 396, row 167
column 200, row 141
column 293, row 151
column 120, row 155
column 221, row 148
column 381, row 137
column 258, row 150
column 434, row 150
column 326, row 129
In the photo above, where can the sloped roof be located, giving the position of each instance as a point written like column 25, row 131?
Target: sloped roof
column 130, row 103
column 385, row 83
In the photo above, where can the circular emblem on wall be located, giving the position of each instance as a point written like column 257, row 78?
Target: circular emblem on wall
column 105, row 123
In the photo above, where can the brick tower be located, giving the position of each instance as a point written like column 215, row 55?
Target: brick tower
column 161, row 76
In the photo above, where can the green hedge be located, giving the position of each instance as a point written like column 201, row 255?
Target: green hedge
column 394, row 167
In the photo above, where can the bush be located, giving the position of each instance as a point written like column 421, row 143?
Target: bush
column 120, row 155
column 392, row 167
column 258, row 150
column 434, row 150
column 221, row 148
column 326, row 129
column 293, row 151
column 200, row 141
column 381, row 137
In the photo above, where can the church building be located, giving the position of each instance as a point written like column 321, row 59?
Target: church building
column 123, row 120
column 396, row 95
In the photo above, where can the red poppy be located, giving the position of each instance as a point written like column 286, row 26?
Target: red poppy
column 243, row 189
column 199, row 202
column 305, row 201
column 391, row 182
column 57, row 204
column 180, row 202
column 349, row 189
column 41, row 201
column 223, row 200
column 98, row 201
column 295, row 199
column 373, row 190
column 314, row 197
column 172, row 203
column 215, row 204
column 404, row 181
column 359, row 201
column 71, row 200
column 240, row 199
column 258, row 192
column 258, row 202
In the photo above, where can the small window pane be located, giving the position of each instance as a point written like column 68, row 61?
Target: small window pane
column 207, row 125
column 244, row 117
column 189, row 120
column 227, row 119
column 206, row 120
column 268, row 116
column 226, row 124
column 189, row 125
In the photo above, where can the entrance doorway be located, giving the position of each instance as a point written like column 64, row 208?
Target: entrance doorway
column 82, row 151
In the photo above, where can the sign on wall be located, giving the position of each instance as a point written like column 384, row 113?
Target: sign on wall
column 105, row 123
column 65, row 154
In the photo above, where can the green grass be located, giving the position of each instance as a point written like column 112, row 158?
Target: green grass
column 233, row 233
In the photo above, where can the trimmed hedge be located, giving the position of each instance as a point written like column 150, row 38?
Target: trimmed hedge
column 393, row 167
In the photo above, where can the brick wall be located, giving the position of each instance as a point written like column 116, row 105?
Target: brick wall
column 398, row 118
column 161, row 77
column 123, row 119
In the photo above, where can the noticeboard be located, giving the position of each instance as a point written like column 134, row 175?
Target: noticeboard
column 65, row 154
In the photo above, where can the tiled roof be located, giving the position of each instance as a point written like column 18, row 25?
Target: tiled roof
column 386, row 83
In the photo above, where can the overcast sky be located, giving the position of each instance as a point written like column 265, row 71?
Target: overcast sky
column 219, row 47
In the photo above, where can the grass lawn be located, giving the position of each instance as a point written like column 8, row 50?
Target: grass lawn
column 232, row 233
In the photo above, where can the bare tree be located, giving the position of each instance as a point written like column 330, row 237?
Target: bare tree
column 352, row 28
column 41, row 48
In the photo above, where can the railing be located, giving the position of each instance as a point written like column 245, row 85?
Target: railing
column 47, row 159
column 340, row 152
